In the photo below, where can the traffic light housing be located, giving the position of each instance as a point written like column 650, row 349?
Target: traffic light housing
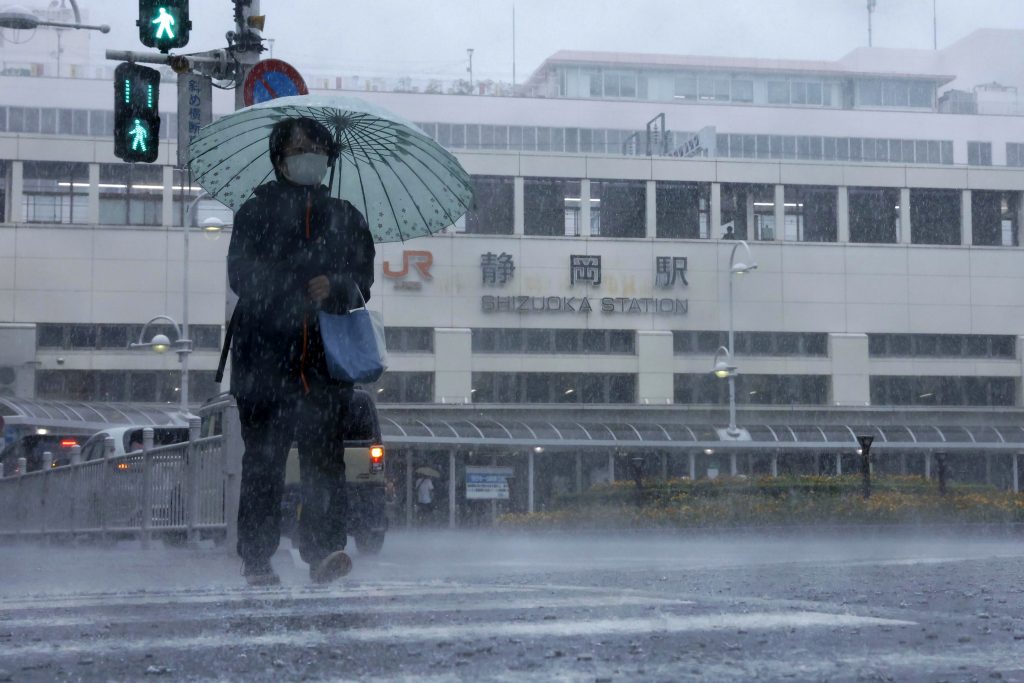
column 163, row 24
column 136, row 112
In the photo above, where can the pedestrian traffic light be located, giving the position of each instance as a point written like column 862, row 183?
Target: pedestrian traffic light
column 136, row 112
column 163, row 24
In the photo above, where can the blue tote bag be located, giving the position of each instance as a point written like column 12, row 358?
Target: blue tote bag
column 354, row 345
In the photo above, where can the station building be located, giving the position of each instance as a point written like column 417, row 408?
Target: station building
column 578, row 307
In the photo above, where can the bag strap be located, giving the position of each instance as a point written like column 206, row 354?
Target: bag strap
column 227, row 346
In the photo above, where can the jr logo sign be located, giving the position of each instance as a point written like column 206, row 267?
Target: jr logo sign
column 421, row 261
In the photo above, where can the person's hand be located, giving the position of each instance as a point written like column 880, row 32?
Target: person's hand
column 319, row 288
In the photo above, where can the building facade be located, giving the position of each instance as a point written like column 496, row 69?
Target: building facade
column 880, row 195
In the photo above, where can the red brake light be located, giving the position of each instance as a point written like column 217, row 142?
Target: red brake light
column 376, row 453
column 68, row 443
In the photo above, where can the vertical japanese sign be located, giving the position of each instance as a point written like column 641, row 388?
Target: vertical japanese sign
column 195, row 110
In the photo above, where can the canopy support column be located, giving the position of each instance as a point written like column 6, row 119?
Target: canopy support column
column 733, row 471
column 692, row 458
column 1016, row 473
column 928, row 466
column 611, row 467
column 408, row 489
column 775, row 464
column 529, row 482
column 664, row 466
column 451, row 489
column 579, row 472
column 839, row 464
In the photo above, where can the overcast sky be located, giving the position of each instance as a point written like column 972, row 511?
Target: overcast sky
column 428, row 38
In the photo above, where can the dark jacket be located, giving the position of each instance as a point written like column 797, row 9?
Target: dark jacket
column 275, row 346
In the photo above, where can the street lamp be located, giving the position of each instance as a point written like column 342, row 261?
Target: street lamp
column 182, row 345
column 724, row 363
column 19, row 18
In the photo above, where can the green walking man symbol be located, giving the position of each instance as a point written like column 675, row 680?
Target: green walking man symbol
column 165, row 22
column 139, row 135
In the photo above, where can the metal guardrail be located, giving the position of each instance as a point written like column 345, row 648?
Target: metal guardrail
column 179, row 488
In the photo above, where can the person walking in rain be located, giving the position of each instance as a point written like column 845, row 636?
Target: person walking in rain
column 294, row 249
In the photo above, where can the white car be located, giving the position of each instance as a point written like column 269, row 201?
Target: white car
column 129, row 440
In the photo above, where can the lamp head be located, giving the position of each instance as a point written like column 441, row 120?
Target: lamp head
column 739, row 267
column 18, row 18
column 212, row 225
column 161, row 343
column 722, row 369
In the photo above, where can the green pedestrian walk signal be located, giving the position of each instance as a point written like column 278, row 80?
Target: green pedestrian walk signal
column 163, row 24
column 136, row 112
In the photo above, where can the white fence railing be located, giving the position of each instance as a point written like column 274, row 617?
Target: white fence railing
column 188, row 488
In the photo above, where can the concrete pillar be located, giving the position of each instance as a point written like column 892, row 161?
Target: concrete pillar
column 168, row 197
column 903, row 464
column 579, row 472
column 530, row 506
column 715, row 222
column 691, row 458
column 652, row 209
column 839, row 464
column 408, row 489
column 905, row 236
column 775, row 464
column 453, row 375
column 518, row 207
column 585, row 207
column 843, row 214
column 654, row 355
column 927, row 465
column 451, row 489
column 780, row 214
column 611, row 467
column 15, row 213
column 1016, row 473
column 93, row 215
column 848, row 355
column 733, row 471
column 966, row 221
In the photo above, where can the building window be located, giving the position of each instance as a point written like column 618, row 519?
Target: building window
column 978, row 346
column 705, row 388
column 403, row 387
column 543, row 387
column 542, row 341
column 618, row 208
column 115, row 336
column 410, row 339
column 137, row 386
column 995, row 217
column 55, row 192
column 748, row 212
column 795, row 344
column 551, row 206
column 934, row 216
column 979, row 153
column 1015, row 154
column 874, row 215
column 898, row 390
column 683, row 210
column 131, row 194
column 492, row 210
column 811, row 213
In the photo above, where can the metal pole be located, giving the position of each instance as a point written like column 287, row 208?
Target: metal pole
column 579, row 472
column 775, row 464
column 839, row 464
column 183, row 357
column 451, row 489
column 147, row 485
column 733, row 469
column 940, row 459
column 611, row 467
column 408, row 489
column 732, row 357
column 865, row 471
column 1016, row 474
column 529, row 482
column 692, row 462
column 192, row 469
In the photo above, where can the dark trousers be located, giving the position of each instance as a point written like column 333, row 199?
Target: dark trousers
column 269, row 426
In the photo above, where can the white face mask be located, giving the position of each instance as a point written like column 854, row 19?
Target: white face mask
column 306, row 169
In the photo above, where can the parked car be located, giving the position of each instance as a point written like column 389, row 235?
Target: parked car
column 129, row 440
column 364, row 470
column 33, row 446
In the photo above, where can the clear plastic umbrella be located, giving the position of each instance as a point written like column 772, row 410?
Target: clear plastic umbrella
column 404, row 183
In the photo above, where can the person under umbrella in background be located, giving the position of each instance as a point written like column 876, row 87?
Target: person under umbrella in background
column 294, row 249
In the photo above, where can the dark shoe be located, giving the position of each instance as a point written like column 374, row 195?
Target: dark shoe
column 260, row 574
column 332, row 567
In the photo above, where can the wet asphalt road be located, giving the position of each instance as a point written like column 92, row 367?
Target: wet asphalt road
column 440, row 606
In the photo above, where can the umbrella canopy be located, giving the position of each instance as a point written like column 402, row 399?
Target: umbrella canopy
column 428, row 472
column 404, row 183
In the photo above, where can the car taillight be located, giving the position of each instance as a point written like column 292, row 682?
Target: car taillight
column 122, row 465
column 376, row 458
column 68, row 443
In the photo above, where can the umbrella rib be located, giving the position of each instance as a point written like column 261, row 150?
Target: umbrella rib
column 456, row 171
column 387, row 196
column 202, row 175
column 214, row 148
column 432, row 194
column 240, row 171
column 413, row 198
